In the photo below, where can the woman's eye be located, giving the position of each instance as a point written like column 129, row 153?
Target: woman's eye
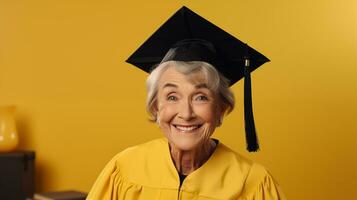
column 171, row 98
column 202, row 98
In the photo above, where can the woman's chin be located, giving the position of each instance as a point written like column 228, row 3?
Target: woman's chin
column 185, row 143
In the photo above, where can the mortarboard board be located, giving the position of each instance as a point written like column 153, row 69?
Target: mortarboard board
column 196, row 39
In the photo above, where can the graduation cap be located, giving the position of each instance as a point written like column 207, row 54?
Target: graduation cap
column 196, row 39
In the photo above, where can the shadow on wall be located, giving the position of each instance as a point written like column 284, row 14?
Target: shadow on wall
column 26, row 142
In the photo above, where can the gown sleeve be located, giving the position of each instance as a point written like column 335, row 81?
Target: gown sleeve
column 260, row 185
column 110, row 184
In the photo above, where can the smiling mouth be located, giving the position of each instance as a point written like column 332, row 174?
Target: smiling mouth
column 187, row 129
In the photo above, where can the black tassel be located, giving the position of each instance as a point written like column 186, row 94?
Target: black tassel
column 250, row 133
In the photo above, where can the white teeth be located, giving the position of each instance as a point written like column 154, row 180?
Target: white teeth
column 186, row 128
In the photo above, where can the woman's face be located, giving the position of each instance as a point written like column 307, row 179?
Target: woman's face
column 187, row 110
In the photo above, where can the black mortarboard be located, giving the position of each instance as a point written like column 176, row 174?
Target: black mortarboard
column 196, row 39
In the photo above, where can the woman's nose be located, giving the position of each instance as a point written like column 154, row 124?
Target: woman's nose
column 186, row 111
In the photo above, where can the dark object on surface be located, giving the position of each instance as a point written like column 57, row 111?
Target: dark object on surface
column 61, row 195
column 195, row 39
column 17, row 175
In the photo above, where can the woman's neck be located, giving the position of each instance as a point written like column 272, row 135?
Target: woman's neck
column 188, row 161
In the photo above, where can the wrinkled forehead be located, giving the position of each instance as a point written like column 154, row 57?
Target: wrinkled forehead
column 194, row 76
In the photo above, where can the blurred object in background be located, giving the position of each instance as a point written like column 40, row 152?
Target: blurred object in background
column 61, row 195
column 17, row 175
column 8, row 133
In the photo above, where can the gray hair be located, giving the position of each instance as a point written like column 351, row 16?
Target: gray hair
column 216, row 82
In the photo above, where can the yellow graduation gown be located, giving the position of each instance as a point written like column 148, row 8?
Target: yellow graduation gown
column 147, row 172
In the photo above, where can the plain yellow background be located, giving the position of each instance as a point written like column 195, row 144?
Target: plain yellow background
column 62, row 63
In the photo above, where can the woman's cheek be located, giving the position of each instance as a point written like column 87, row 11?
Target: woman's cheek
column 166, row 114
column 208, row 113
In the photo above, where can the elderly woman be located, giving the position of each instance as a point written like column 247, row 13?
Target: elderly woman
column 187, row 98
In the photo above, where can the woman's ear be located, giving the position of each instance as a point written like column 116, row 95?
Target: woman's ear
column 219, row 121
column 221, row 110
column 157, row 117
column 155, row 112
column 155, row 108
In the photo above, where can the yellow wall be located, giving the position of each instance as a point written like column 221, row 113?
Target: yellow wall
column 79, row 103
